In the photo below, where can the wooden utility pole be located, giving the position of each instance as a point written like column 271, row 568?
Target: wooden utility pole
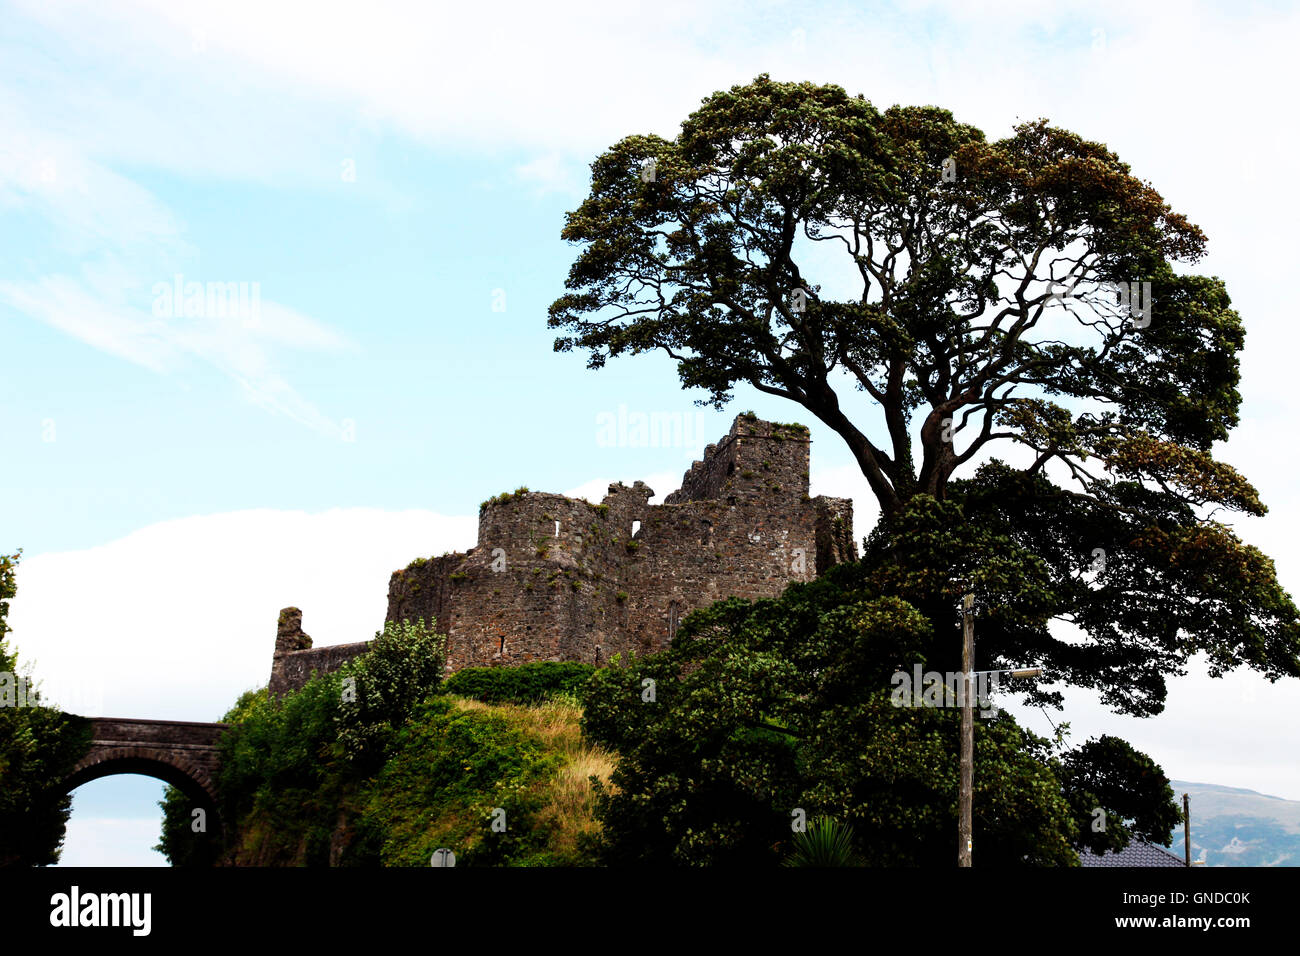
column 967, row 731
column 1187, row 831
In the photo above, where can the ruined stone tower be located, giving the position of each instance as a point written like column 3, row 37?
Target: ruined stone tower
column 295, row 659
column 554, row 578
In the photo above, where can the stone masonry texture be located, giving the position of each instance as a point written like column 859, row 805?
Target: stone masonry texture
column 560, row 579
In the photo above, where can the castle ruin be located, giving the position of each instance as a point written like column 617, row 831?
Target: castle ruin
column 560, row 579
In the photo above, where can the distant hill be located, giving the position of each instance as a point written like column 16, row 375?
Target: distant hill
column 1236, row 827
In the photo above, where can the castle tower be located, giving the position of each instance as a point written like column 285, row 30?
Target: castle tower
column 555, row 578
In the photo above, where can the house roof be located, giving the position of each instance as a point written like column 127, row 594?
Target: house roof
column 1137, row 853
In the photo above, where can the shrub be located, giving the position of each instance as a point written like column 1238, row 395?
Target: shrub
column 179, row 843
column 292, row 759
column 760, row 707
column 826, row 842
column 455, row 762
column 379, row 689
column 525, row 684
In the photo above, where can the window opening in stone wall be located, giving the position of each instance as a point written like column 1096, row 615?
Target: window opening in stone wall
column 501, row 648
column 636, row 526
column 557, row 529
column 673, row 614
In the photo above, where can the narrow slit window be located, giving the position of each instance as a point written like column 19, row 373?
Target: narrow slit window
column 501, row 648
column 557, row 529
column 636, row 526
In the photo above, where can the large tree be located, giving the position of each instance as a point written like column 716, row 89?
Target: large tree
column 764, row 709
column 997, row 332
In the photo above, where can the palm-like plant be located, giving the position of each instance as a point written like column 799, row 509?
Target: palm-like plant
column 826, row 842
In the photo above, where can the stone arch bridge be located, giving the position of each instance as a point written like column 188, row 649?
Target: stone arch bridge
column 181, row 753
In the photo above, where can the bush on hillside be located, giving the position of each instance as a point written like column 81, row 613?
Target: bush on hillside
column 282, row 758
column 379, row 689
column 524, row 684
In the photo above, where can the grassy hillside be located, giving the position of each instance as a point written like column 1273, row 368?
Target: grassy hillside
column 458, row 761
column 377, row 765
column 1236, row 827
column 451, row 766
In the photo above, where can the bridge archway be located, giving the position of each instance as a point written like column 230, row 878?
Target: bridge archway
column 159, row 764
column 181, row 753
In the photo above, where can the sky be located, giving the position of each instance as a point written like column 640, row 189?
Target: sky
column 387, row 184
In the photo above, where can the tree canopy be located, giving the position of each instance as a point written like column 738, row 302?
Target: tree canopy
column 762, row 709
column 993, row 327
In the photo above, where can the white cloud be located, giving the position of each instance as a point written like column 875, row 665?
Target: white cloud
column 178, row 618
column 64, row 303
column 123, row 239
column 239, row 346
column 86, row 202
column 553, row 172
column 175, row 620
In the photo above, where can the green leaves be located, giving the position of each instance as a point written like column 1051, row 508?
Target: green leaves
column 1135, row 569
column 1106, row 774
column 8, row 588
column 39, row 746
column 825, row 843
column 293, row 759
column 769, row 706
column 528, row 683
column 378, row 690
column 958, row 333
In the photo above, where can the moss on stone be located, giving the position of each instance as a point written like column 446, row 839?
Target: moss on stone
column 504, row 497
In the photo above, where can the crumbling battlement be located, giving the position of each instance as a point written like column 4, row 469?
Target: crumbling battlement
column 295, row 659
column 554, row 578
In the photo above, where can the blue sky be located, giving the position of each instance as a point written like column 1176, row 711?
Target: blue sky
column 394, row 180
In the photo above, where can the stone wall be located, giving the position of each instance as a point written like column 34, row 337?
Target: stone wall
column 295, row 660
column 554, row 578
column 835, row 544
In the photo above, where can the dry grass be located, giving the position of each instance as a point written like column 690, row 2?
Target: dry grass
column 568, row 810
